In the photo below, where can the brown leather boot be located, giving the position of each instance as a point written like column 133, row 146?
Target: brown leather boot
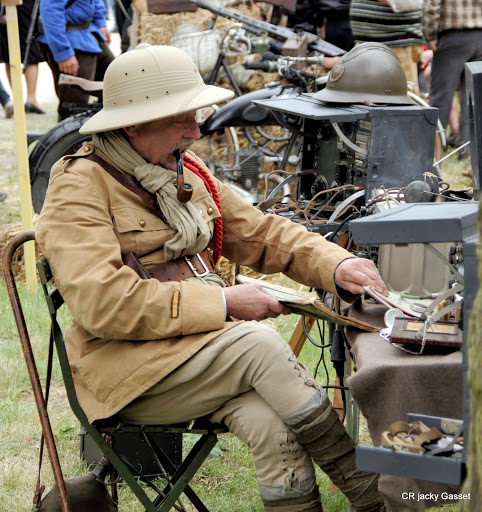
column 326, row 440
column 309, row 503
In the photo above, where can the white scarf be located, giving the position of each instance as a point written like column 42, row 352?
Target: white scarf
column 193, row 233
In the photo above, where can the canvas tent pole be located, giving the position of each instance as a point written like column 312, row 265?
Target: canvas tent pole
column 26, row 208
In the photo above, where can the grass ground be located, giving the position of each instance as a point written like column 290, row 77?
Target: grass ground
column 227, row 481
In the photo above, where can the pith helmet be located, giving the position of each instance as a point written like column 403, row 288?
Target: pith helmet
column 149, row 83
column 370, row 72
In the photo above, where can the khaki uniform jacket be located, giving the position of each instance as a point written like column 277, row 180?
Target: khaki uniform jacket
column 129, row 333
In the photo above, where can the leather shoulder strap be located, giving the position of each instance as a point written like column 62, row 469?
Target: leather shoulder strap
column 129, row 182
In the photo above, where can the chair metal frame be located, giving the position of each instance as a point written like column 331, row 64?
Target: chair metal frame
column 103, row 432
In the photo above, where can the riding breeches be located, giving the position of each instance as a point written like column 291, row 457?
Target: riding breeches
column 249, row 379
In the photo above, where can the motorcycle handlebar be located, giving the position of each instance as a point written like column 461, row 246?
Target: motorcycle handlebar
column 268, row 66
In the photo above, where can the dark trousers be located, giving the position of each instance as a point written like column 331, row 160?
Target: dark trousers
column 92, row 66
column 123, row 23
column 454, row 49
column 338, row 30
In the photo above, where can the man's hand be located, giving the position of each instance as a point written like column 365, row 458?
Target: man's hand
column 353, row 274
column 251, row 302
column 69, row 66
column 106, row 33
column 426, row 59
column 329, row 62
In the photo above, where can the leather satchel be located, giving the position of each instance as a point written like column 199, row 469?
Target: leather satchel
column 86, row 493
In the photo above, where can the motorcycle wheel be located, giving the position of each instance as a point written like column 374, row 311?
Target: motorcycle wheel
column 219, row 152
column 63, row 139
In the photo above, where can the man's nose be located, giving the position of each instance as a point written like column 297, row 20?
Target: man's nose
column 192, row 130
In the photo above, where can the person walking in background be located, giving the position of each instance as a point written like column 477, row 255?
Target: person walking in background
column 75, row 40
column 383, row 21
column 453, row 29
column 123, row 20
column 24, row 13
column 332, row 16
column 6, row 102
column 425, row 68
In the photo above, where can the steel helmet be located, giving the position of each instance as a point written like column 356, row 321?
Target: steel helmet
column 149, row 83
column 370, row 72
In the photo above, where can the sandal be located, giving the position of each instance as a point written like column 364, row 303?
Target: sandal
column 409, row 437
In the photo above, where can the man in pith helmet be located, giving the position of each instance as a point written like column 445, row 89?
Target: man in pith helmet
column 132, row 226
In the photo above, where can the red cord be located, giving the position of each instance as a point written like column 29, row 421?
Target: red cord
column 197, row 169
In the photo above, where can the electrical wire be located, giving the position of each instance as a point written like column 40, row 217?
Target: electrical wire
column 309, row 338
column 334, row 233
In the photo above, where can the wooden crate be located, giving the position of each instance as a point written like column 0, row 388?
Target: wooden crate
column 169, row 6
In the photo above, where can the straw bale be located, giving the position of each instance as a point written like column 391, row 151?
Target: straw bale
column 7, row 233
column 230, row 270
column 159, row 28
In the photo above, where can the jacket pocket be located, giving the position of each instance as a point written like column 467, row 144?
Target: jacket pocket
column 138, row 230
column 127, row 218
column 205, row 205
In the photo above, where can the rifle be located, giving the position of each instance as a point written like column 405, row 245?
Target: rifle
column 276, row 32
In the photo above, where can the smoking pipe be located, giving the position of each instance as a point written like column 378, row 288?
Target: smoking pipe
column 184, row 190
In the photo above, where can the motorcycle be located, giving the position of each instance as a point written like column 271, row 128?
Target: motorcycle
column 239, row 128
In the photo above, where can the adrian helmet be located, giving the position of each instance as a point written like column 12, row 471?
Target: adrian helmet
column 370, row 72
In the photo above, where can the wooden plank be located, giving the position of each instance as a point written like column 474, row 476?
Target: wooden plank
column 169, row 6
column 298, row 337
column 338, row 400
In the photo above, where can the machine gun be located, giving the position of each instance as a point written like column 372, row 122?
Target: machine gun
column 313, row 42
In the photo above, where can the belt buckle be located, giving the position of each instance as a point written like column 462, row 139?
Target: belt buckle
column 193, row 269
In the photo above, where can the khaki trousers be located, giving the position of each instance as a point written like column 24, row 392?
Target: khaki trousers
column 249, row 379
column 409, row 56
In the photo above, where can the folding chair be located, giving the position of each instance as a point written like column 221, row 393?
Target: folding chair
column 103, row 433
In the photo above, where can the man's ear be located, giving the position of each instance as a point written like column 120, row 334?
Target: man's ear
column 130, row 130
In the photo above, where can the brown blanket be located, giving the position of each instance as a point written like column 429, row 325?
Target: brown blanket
column 388, row 384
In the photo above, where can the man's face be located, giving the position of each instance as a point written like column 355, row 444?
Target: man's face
column 156, row 141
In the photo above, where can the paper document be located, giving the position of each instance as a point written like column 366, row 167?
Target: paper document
column 306, row 304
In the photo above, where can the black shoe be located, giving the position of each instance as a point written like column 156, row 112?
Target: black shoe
column 30, row 108
column 452, row 141
column 464, row 153
column 3, row 196
column 8, row 107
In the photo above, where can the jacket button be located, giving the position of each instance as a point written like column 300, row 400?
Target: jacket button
column 142, row 223
column 209, row 210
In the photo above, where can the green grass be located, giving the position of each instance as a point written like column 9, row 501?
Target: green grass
column 227, row 481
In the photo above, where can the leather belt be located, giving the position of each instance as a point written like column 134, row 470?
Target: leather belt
column 199, row 265
column 78, row 26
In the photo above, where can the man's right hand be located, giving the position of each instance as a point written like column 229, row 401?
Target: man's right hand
column 69, row 66
column 251, row 302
